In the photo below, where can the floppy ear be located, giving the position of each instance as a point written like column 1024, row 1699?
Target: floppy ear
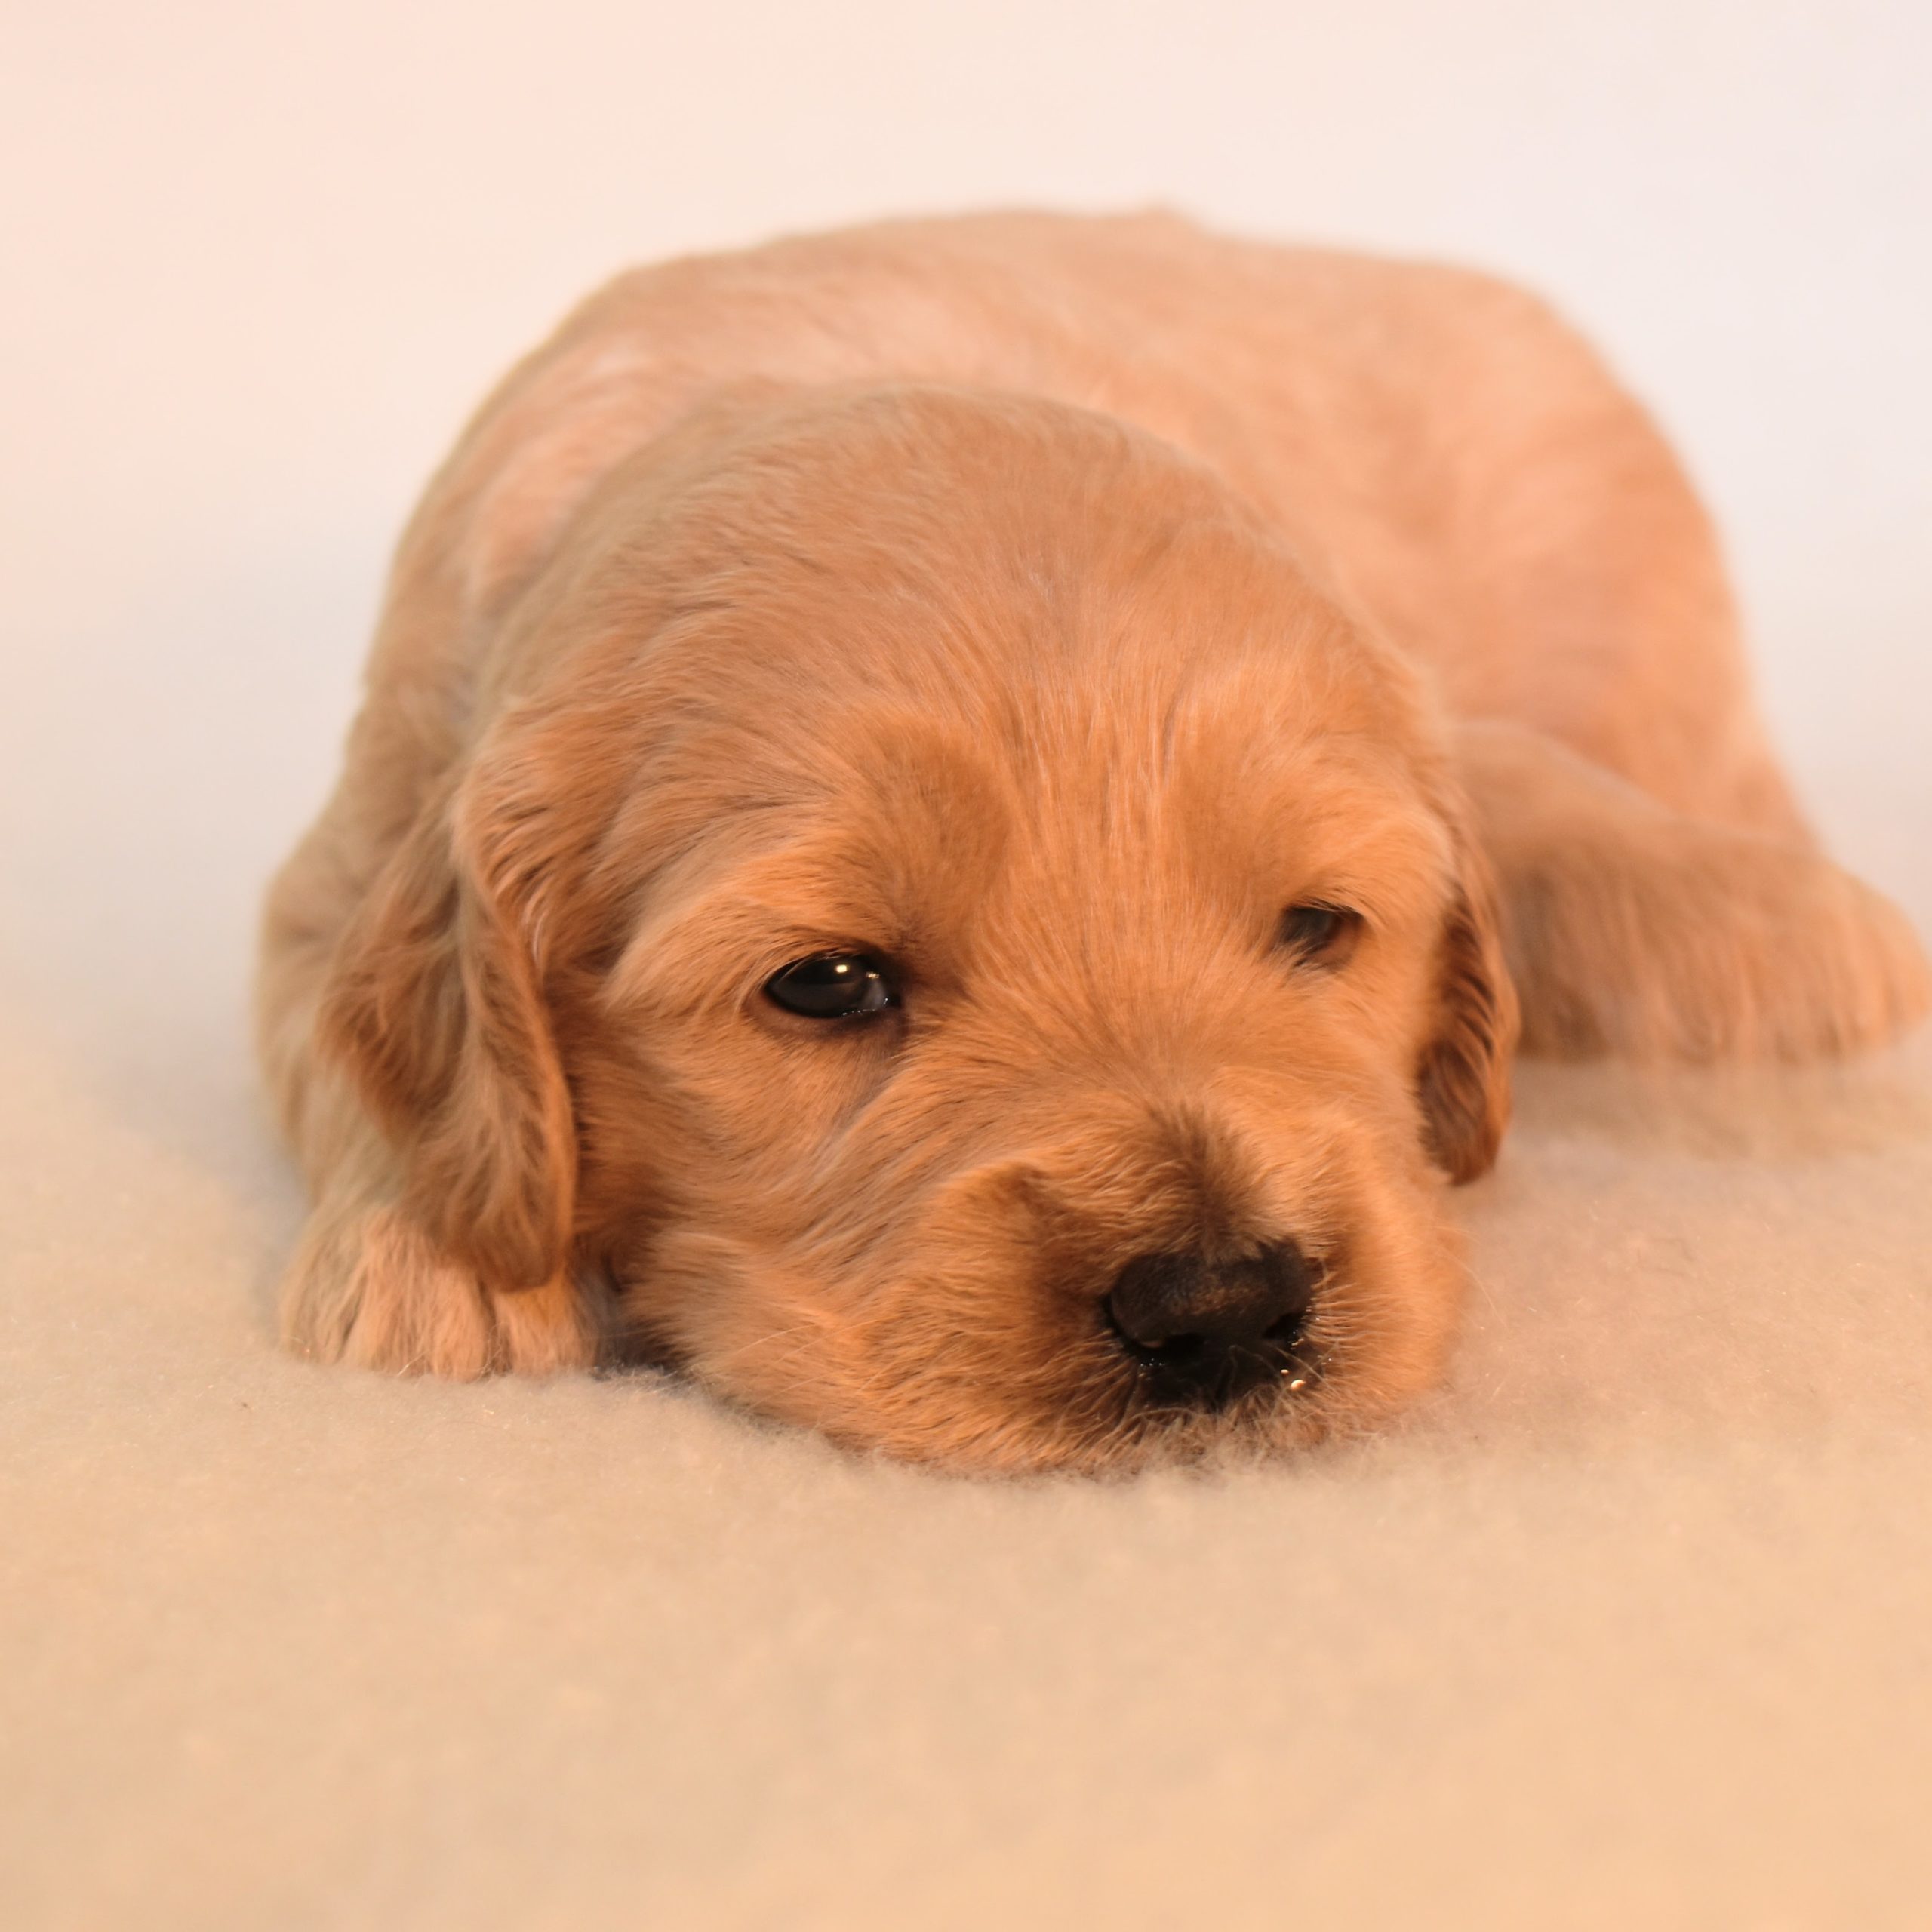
column 1463, row 1077
column 434, row 1004
column 1637, row 930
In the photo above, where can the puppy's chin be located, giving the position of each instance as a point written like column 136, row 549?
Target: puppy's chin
column 943, row 1365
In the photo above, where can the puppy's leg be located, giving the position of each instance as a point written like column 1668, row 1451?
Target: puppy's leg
column 368, row 1286
column 1632, row 929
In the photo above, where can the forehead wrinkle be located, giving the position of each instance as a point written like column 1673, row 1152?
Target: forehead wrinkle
column 1110, row 744
column 879, row 833
column 1170, row 845
column 1344, row 816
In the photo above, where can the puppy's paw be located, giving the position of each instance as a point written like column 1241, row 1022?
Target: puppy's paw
column 1634, row 930
column 1709, row 944
column 369, row 1288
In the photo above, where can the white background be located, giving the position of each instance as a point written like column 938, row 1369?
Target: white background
column 263, row 258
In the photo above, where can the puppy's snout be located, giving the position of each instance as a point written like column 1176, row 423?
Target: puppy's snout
column 1206, row 1332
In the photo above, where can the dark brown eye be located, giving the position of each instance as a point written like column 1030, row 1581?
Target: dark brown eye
column 833, row 986
column 1318, row 935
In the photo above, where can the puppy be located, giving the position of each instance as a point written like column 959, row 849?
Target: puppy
column 954, row 826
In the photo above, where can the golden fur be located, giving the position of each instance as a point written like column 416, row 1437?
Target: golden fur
column 1044, row 604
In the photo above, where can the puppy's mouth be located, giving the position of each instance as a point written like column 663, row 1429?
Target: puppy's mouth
column 1186, row 1355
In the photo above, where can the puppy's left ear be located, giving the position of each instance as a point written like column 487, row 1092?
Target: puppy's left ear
column 1462, row 1079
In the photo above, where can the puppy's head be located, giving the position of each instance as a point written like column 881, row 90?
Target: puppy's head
column 946, row 921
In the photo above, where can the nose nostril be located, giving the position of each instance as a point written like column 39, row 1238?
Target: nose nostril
column 1179, row 1351
column 1287, row 1330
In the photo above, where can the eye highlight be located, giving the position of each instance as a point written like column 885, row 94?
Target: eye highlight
column 1314, row 934
column 833, row 986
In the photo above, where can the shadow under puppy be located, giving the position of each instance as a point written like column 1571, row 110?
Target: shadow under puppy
column 952, row 823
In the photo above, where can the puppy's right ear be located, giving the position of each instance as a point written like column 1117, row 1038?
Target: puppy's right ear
column 434, row 1005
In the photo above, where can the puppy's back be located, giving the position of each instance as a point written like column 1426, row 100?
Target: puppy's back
column 1441, row 452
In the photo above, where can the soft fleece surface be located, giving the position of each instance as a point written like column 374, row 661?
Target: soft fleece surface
column 1633, row 1629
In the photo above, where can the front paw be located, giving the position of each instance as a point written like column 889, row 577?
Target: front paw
column 369, row 1288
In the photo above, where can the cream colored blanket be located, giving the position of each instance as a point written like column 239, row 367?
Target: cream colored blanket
column 1633, row 1629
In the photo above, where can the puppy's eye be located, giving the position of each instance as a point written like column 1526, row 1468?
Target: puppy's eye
column 833, row 986
column 1318, row 935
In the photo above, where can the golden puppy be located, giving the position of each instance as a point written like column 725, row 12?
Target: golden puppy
column 951, row 821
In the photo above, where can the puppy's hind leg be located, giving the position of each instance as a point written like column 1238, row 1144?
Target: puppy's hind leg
column 1633, row 930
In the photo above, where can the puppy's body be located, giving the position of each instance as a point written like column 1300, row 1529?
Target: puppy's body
column 1044, row 603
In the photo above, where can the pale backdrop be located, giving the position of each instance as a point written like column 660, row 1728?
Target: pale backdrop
column 1633, row 1630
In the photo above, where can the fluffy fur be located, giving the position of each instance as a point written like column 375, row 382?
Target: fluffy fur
column 1045, row 605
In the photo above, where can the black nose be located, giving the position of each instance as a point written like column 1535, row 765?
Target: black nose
column 1204, row 1332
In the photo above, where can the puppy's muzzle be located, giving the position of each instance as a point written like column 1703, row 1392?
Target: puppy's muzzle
column 1204, row 1332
